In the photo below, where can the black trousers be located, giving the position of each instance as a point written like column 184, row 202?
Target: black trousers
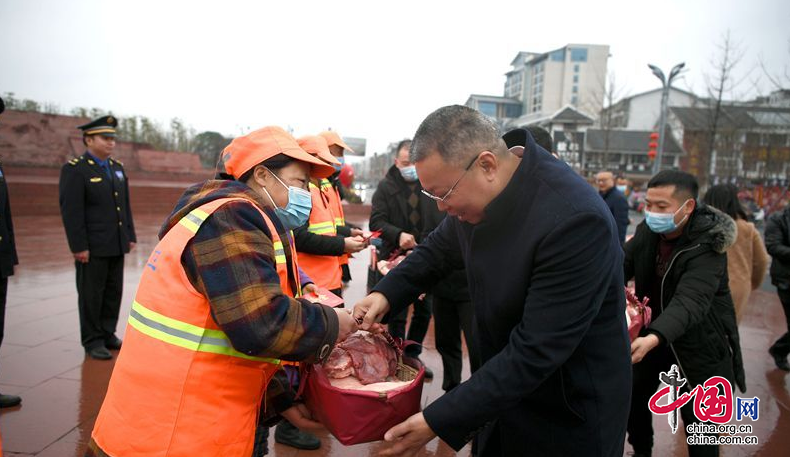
column 450, row 318
column 640, row 419
column 3, row 293
column 418, row 327
column 782, row 345
column 100, row 289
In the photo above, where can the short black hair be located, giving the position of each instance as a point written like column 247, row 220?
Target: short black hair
column 275, row 163
column 724, row 197
column 542, row 137
column 685, row 183
column 403, row 144
column 456, row 133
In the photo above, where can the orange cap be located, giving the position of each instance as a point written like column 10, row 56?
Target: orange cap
column 245, row 152
column 316, row 145
column 332, row 138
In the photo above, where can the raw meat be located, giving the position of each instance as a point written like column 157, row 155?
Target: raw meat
column 372, row 359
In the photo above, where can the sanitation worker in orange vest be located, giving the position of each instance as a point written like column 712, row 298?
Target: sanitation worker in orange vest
column 337, row 148
column 215, row 316
column 321, row 248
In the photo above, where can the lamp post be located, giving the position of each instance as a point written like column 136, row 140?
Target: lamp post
column 666, row 83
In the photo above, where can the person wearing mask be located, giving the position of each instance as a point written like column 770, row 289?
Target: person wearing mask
column 747, row 259
column 400, row 211
column 677, row 258
column 217, row 313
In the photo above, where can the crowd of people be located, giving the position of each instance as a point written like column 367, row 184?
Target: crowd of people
column 504, row 246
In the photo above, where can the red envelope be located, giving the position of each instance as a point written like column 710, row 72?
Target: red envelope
column 324, row 297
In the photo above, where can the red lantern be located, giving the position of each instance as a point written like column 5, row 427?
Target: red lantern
column 652, row 145
column 346, row 175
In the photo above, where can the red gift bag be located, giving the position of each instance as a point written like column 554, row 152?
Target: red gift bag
column 637, row 314
column 355, row 416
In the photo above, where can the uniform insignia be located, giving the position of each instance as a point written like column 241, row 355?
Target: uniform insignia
column 90, row 161
column 110, row 120
column 96, row 179
column 119, row 174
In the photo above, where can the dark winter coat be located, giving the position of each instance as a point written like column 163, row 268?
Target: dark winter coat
column 697, row 315
column 618, row 205
column 777, row 242
column 8, row 257
column 545, row 276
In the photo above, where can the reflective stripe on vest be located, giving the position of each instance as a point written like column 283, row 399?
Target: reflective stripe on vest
column 185, row 335
column 322, row 228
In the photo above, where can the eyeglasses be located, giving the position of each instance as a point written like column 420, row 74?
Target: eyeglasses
column 447, row 195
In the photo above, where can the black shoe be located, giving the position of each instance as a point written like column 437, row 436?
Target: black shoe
column 113, row 343
column 779, row 360
column 99, row 353
column 287, row 434
column 9, row 401
column 428, row 371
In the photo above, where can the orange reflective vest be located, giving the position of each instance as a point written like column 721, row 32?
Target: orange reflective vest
column 179, row 388
column 324, row 270
column 333, row 194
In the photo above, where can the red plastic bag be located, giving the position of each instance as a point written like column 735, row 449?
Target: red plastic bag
column 637, row 314
column 355, row 416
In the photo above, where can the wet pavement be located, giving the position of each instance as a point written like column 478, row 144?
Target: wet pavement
column 41, row 358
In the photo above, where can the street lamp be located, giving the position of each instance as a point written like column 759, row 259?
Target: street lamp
column 666, row 83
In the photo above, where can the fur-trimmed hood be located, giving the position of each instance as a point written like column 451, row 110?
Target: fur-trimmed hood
column 710, row 226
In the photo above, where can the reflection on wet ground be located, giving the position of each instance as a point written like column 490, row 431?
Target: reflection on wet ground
column 41, row 358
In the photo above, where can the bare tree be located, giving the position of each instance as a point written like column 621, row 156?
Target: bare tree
column 720, row 84
column 606, row 119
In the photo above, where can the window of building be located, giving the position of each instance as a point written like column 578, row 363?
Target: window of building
column 578, row 54
column 574, row 100
column 512, row 111
column 558, row 55
column 576, row 68
column 575, row 78
column 575, row 89
column 487, row 108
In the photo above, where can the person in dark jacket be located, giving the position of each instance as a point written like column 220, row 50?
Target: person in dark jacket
column 777, row 242
column 677, row 259
column 615, row 200
column 544, row 267
column 8, row 259
column 399, row 210
column 97, row 216
column 449, row 299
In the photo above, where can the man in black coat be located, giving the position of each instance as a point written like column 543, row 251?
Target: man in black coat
column 544, row 267
column 615, row 200
column 677, row 259
column 94, row 205
column 8, row 259
column 777, row 242
column 406, row 216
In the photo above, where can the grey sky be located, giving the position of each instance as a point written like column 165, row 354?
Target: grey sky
column 367, row 69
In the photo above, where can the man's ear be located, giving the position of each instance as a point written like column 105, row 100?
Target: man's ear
column 518, row 151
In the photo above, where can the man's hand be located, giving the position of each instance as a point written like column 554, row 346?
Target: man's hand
column 357, row 232
column 82, row 256
column 346, row 322
column 300, row 417
column 641, row 346
column 309, row 289
column 354, row 244
column 406, row 241
column 371, row 309
column 409, row 437
column 132, row 244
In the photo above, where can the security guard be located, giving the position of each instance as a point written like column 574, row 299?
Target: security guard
column 8, row 259
column 94, row 204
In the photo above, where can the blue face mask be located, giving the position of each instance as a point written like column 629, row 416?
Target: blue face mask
column 297, row 211
column 663, row 223
column 342, row 161
column 409, row 173
column 622, row 188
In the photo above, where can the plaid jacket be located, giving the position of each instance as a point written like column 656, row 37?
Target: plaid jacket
column 231, row 261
